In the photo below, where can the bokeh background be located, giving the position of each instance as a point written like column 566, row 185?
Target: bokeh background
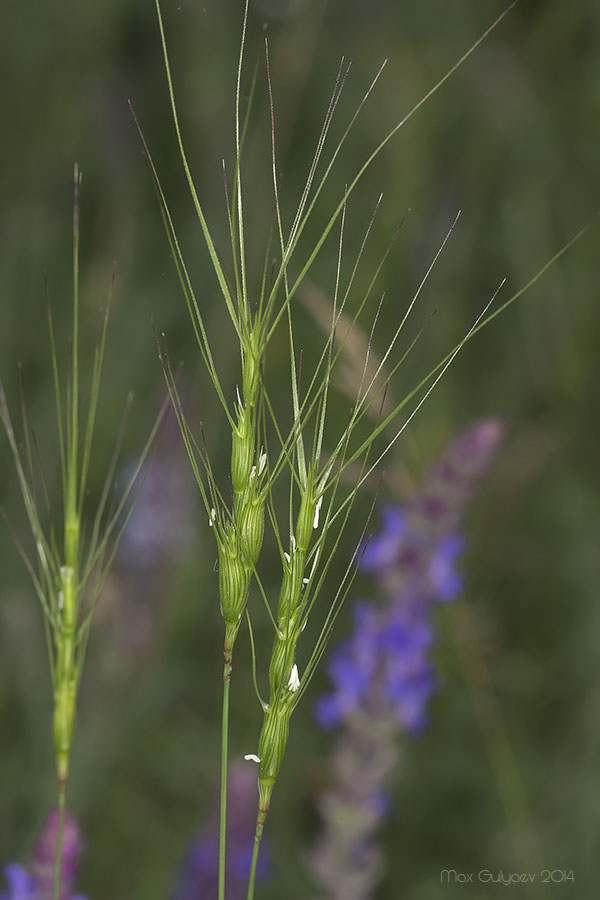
column 512, row 140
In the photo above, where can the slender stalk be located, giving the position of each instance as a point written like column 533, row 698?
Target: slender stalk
column 72, row 464
column 224, row 760
column 260, row 824
column 68, row 595
column 62, row 793
column 253, row 869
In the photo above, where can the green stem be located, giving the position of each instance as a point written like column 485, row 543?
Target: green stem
column 224, row 755
column 260, row 824
column 62, row 793
column 253, row 869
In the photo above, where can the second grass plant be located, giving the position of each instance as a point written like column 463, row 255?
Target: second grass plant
column 317, row 478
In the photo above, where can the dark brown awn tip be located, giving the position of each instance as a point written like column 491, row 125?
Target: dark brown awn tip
column 383, row 399
column 374, row 503
column 203, row 436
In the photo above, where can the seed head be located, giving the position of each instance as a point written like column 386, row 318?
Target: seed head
column 251, row 524
column 273, row 741
column 291, row 585
column 252, row 357
column 234, row 579
column 306, row 517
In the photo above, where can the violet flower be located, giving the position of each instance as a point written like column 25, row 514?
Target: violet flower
column 21, row 885
column 38, row 882
column 383, row 675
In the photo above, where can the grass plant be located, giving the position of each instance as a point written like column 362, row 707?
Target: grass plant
column 71, row 562
column 319, row 498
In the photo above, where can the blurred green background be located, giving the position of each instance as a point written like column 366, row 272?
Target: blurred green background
column 512, row 140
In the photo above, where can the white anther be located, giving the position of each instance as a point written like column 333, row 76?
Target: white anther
column 317, row 511
column 213, row 517
column 253, row 472
column 239, row 399
column 61, row 601
column 262, row 461
column 287, row 556
column 305, row 581
column 294, row 682
column 252, row 757
column 293, row 544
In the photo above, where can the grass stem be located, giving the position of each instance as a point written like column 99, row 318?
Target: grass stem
column 260, row 824
column 62, row 794
column 224, row 760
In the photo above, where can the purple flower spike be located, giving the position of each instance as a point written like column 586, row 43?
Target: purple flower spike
column 43, row 858
column 446, row 583
column 38, row 883
column 383, row 551
column 383, row 676
column 352, row 668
